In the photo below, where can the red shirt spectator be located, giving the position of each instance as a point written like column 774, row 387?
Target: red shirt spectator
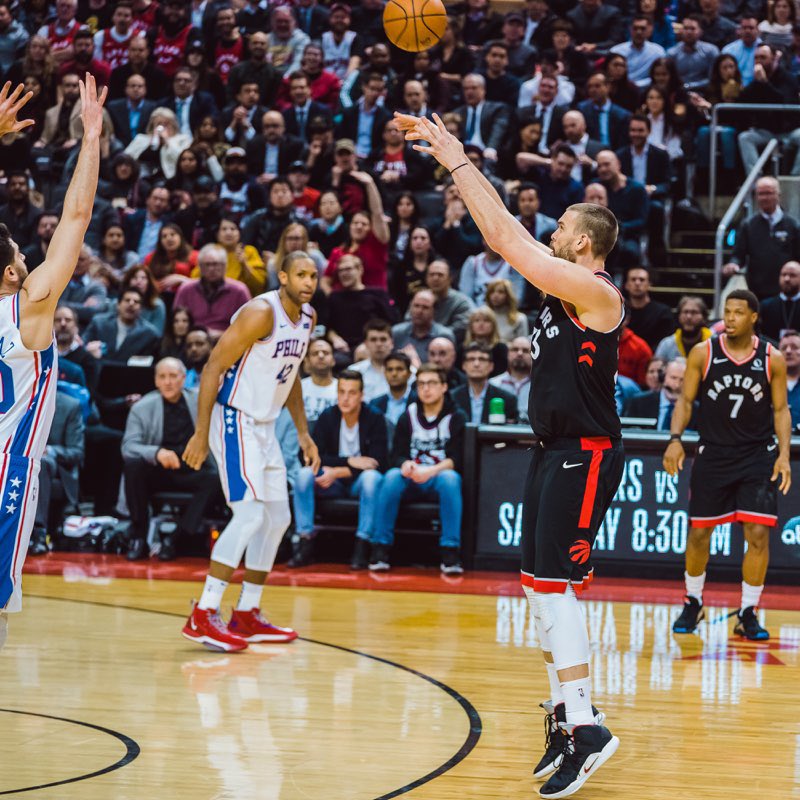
column 212, row 304
column 634, row 356
column 373, row 253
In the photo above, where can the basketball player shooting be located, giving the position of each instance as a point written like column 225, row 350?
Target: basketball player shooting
column 739, row 467
column 28, row 359
column 250, row 375
column 577, row 467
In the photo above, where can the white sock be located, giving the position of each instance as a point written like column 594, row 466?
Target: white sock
column 578, row 700
column 250, row 597
column 751, row 595
column 694, row 585
column 556, row 695
column 212, row 594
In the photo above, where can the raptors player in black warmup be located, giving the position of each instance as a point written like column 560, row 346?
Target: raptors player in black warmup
column 740, row 382
column 576, row 469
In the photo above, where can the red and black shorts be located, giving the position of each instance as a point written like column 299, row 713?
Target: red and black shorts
column 732, row 484
column 570, row 485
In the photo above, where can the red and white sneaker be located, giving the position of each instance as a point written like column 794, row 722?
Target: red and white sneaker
column 252, row 627
column 205, row 626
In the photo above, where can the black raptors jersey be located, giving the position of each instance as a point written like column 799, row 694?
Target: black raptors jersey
column 573, row 375
column 735, row 398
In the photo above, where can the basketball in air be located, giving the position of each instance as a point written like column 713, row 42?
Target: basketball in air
column 414, row 25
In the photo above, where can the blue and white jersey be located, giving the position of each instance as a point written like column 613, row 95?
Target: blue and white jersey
column 27, row 387
column 259, row 383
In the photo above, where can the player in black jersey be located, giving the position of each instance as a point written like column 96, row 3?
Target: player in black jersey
column 576, row 469
column 740, row 382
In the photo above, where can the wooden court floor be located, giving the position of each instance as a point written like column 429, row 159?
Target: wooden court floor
column 389, row 694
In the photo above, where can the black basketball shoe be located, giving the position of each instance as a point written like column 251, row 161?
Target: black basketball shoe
column 748, row 625
column 587, row 749
column 555, row 738
column 690, row 617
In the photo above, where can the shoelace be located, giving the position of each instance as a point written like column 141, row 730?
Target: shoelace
column 570, row 760
column 551, row 730
column 216, row 622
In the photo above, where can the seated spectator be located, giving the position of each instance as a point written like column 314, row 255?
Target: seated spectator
column 157, row 431
column 138, row 63
column 306, row 198
column 502, row 299
column 625, row 389
column 456, row 233
column 486, row 168
column 692, row 329
column 342, row 47
column 244, row 261
column 639, row 51
column 58, row 470
column 179, row 323
column 119, row 335
column 200, row 220
column 474, row 398
column 36, row 62
column 324, row 86
column 329, row 230
column 570, row 62
column 293, row 238
column 621, row 90
column 405, row 216
column 36, row 252
column 654, row 377
column 70, row 348
column 421, row 90
column 256, row 68
column 790, row 348
column 301, row 108
column 765, row 241
column 271, row 152
column 19, row 214
column 173, row 259
column 363, row 118
column 409, row 274
column 349, row 310
column 743, row 48
column 452, row 308
column 442, row 353
column 239, row 193
column 239, row 120
column 83, row 59
column 351, row 438
column 501, row 85
column 484, row 122
column 85, row 295
column 781, row 312
column 557, row 188
column 392, row 405
column 480, row 270
column 285, row 41
column 153, row 309
column 113, row 250
column 319, row 387
column 776, row 29
column 521, row 56
column 396, row 165
column 648, row 318
column 538, row 225
column 664, row 124
column 212, row 299
column 420, row 329
column 197, row 348
column 605, row 122
column 516, row 380
column 192, row 166
column 451, row 57
column 482, row 328
column 143, row 225
column 263, row 229
column 659, row 405
column 426, row 460
column 524, row 139
column 597, row 26
column 635, row 354
column 693, row 57
column 208, row 139
column 379, row 344
column 158, row 148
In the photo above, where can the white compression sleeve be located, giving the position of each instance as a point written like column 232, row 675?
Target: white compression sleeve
column 249, row 517
column 261, row 551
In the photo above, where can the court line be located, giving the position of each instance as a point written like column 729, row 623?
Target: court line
column 132, row 751
column 475, row 722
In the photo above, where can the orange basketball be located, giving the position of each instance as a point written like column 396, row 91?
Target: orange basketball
column 414, row 25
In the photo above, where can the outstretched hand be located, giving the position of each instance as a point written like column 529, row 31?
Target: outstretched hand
column 92, row 106
column 10, row 106
column 443, row 146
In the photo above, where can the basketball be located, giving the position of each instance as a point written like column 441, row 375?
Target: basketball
column 414, row 25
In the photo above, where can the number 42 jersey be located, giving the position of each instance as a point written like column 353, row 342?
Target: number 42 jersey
column 259, row 383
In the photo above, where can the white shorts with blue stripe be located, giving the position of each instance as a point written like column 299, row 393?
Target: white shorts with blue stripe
column 248, row 455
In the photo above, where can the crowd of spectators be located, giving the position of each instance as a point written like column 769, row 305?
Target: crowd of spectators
column 238, row 131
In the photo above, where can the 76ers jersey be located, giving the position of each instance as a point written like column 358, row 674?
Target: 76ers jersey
column 573, row 375
column 735, row 397
column 260, row 381
column 28, row 383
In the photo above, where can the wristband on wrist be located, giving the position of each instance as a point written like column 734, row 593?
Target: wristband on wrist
column 675, row 437
column 459, row 167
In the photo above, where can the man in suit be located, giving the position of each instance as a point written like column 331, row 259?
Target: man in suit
column 584, row 147
column 605, row 121
column 190, row 106
column 658, row 405
column 781, row 313
column 303, row 109
column 240, row 120
column 484, row 123
column 143, row 226
column 475, row 397
column 138, row 64
column 118, row 335
column 270, row 153
column 547, row 113
column 364, row 121
column 596, row 26
column 58, row 471
column 130, row 114
column 392, row 405
column 156, row 433
column 351, row 438
column 312, row 18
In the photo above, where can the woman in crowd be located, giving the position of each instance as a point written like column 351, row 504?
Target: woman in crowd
column 776, row 29
column 524, row 137
column 173, row 259
column 622, row 91
column 575, row 65
column 409, row 275
column 294, row 237
column 191, row 166
column 664, row 76
column 113, row 251
column 662, row 22
column 208, row 139
column 662, row 127
column 179, row 324
column 452, row 59
column 501, row 298
column 654, row 377
column 160, row 146
column 153, row 309
column 329, row 230
column 405, row 217
column 724, row 86
column 482, row 328
column 125, row 187
column 369, row 244
column 208, row 80
column 244, row 261
column 38, row 61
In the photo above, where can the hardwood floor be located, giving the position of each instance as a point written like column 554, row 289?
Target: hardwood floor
column 384, row 689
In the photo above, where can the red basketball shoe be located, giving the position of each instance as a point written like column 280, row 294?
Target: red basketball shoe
column 252, row 627
column 205, row 626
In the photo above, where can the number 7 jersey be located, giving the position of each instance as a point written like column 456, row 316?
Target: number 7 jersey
column 259, row 383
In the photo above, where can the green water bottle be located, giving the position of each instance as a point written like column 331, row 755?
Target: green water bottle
column 497, row 411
